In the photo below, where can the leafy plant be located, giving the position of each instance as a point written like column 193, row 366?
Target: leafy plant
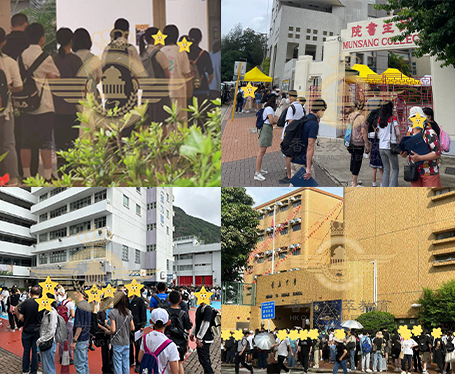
column 398, row 62
column 187, row 157
column 377, row 320
column 438, row 306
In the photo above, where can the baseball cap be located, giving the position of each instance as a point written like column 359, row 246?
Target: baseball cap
column 159, row 314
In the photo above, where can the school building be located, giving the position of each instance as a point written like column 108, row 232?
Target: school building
column 381, row 251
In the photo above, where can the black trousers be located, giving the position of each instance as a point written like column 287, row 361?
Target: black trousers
column 134, row 345
column 417, row 361
column 230, row 357
column 281, row 364
column 12, row 320
column 304, row 358
column 204, row 358
column 106, row 356
column 407, row 358
column 356, row 160
column 241, row 360
column 34, row 164
column 65, row 134
column 439, row 359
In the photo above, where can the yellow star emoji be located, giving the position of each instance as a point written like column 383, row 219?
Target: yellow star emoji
column 313, row 334
column 108, row 291
column 94, row 294
column 225, row 334
column 436, row 333
column 249, row 90
column 303, row 334
column 417, row 121
column 134, row 288
column 238, row 334
column 294, row 334
column 404, row 332
column 417, row 330
column 340, row 334
column 44, row 303
column 48, row 286
column 203, row 296
column 282, row 334
column 159, row 37
column 184, row 45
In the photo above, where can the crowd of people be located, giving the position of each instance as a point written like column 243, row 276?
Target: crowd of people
column 360, row 350
column 40, row 122
column 117, row 325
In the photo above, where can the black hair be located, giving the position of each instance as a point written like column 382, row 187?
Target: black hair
column 359, row 105
column 64, row 37
column 434, row 125
column 159, row 324
column 172, row 33
column 376, row 90
column 14, row 289
column 385, row 112
column 2, row 36
column 123, row 26
column 161, row 286
column 283, row 95
column 35, row 32
column 216, row 46
column 146, row 38
column 18, row 20
column 174, row 297
column 196, row 35
column 271, row 102
column 36, row 290
column 317, row 105
column 122, row 304
column 81, row 40
column 302, row 100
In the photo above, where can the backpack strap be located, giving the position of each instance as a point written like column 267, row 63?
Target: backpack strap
column 36, row 64
column 200, row 54
column 146, row 349
column 162, row 347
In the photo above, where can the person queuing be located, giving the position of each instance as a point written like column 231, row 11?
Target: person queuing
column 46, row 342
column 373, row 138
column 139, row 312
column 11, row 304
column 242, row 348
column 305, row 348
column 81, row 333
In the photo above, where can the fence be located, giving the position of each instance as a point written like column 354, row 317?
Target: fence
column 235, row 293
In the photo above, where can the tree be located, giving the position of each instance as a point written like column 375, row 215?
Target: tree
column 238, row 231
column 398, row 62
column 241, row 44
column 266, row 66
column 377, row 320
column 438, row 307
column 434, row 20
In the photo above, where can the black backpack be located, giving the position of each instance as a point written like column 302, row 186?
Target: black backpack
column 3, row 91
column 292, row 144
column 282, row 120
column 29, row 99
column 163, row 304
column 239, row 95
column 449, row 345
column 151, row 65
column 423, row 344
column 228, row 344
column 175, row 331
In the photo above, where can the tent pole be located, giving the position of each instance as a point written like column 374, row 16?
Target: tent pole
column 236, row 89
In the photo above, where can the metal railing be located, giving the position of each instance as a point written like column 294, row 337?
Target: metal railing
column 235, row 293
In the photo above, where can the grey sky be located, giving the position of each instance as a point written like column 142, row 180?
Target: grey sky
column 201, row 202
column 263, row 194
column 250, row 13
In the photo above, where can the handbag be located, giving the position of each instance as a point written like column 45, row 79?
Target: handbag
column 12, row 309
column 401, row 355
column 410, row 173
column 394, row 147
column 45, row 346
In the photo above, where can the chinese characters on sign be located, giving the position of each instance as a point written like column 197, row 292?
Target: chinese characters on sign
column 268, row 310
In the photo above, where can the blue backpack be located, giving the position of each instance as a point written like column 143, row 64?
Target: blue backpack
column 260, row 118
column 150, row 363
column 366, row 347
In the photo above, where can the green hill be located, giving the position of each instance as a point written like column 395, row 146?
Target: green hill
column 186, row 225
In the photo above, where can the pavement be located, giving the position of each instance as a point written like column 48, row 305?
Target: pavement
column 191, row 364
column 331, row 160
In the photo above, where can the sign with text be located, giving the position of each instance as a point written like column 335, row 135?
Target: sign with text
column 268, row 310
column 374, row 35
column 242, row 68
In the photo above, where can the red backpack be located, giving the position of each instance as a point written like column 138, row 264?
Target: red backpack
column 62, row 310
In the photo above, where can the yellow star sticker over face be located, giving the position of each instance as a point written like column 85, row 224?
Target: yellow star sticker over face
column 44, row 303
column 108, row 291
column 94, row 294
column 303, row 334
column 48, row 286
column 203, row 296
column 134, row 288
column 313, row 334
column 238, row 334
column 282, row 334
column 249, row 90
column 294, row 334
column 184, row 45
column 159, row 37
column 436, row 333
column 225, row 334
column 417, row 330
column 340, row 334
column 404, row 332
column 417, row 121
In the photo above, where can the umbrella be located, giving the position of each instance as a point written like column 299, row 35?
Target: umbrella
column 264, row 341
column 352, row 324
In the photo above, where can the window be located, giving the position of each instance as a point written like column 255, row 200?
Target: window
column 137, row 256
column 138, row 189
column 76, row 229
column 42, row 198
column 56, row 191
column 151, row 206
column 270, row 214
column 331, row 33
column 43, row 217
column 42, row 258
column 440, row 191
column 59, row 211
column 43, row 237
column 445, row 235
column 73, row 251
column 99, row 223
column 290, row 35
column 126, row 201
column 100, row 196
column 282, row 255
column 291, row 28
column 308, row 31
column 323, row 39
column 260, row 260
column 138, row 210
column 167, row 197
column 167, row 213
column 324, row 33
column 296, row 252
column 81, row 203
column 60, row 233
column 185, row 257
column 284, row 208
column 261, row 217
column 297, row 36
column 167, row 230
column 151, row 226
column 315, row 32
column 57, row 256
column 297, row 29
column 297, row 227
column 151, row 248
column 124, row 253
column 167, row 265
column 185, row 267
column 284, row 231
column 261, row 238
column 202, row 265
column 295, row 204
column 315, row 38
column 308, row 37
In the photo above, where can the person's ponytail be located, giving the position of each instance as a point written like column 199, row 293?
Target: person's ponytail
column 142, row 44
column 61, row 52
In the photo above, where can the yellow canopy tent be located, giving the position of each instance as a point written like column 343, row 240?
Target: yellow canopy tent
column 394, row 76
column 366, row 74
column 255, row 75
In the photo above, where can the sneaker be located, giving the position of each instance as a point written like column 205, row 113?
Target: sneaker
column 285, row 180
column 12, row 330
column 397, row 369
column 258, row 177
column 368, row 370
column 403, row 372
column 136, row 369
column 71, row 361
column 263, row 171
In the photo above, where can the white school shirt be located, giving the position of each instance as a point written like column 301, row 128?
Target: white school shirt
column 170, row 353
column 407, row 345
column 179, row 69
column 13, row 78
column 265, row 115
column 290, row 115
column 384, row 134
column 283, row 347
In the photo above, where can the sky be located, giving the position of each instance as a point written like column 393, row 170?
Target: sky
column 201, row 202
column 249, row 13
column 263, row 194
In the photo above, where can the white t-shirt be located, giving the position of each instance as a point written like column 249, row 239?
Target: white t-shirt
column 13, row 78
column 250, row 340
column 265, row 115
column 179, row 70
column 283, row 347
column 70, row 306
column 170, row 353
column 47, row 67
column 384, row 134
column 290, row 115
column 407, row 345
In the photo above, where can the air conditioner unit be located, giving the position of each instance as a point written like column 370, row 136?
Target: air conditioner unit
column 108, row 201
column 268, row 209
column 298, row 197
column 279, row 203
column 292, row 198
column 260, row 211
column 297, row 220
column 297, row 245
column 292, row 246
column 291, row 221
column 269, row 229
